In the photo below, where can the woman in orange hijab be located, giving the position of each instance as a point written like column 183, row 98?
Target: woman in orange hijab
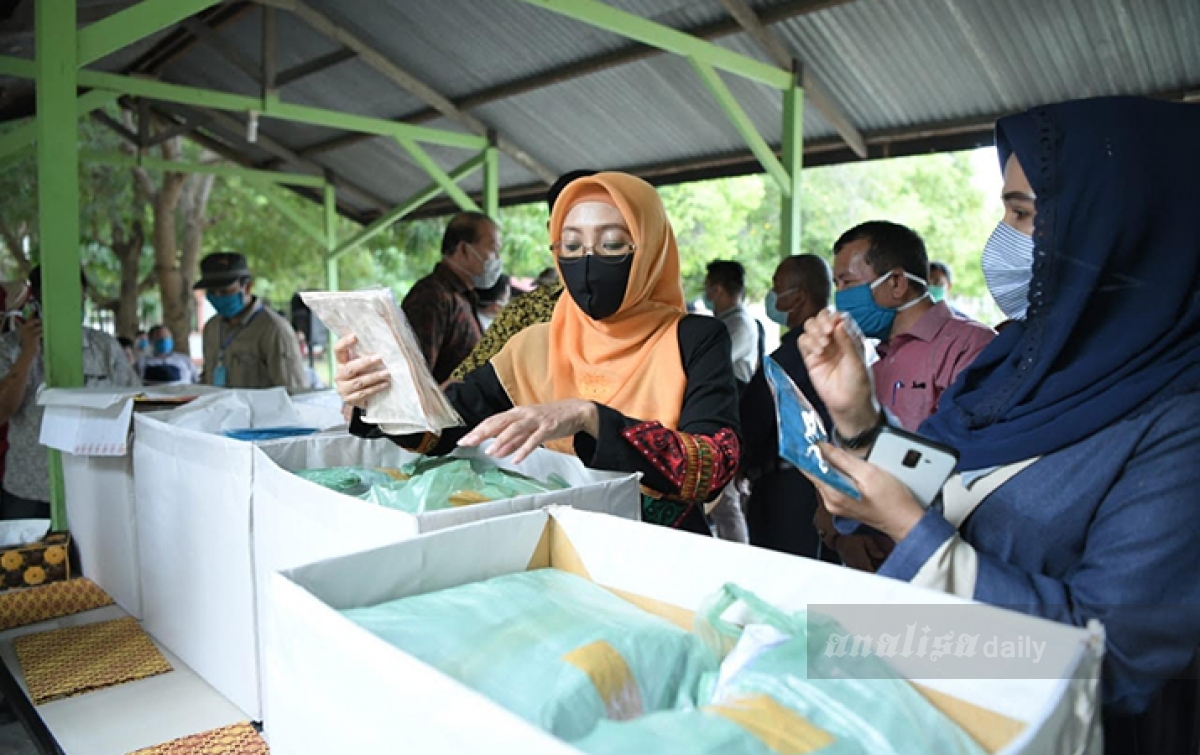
column 621, row 376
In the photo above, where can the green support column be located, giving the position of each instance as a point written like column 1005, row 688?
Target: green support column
column 793, row 161
column 491, row 178
column 58, row 211
column 331, row 263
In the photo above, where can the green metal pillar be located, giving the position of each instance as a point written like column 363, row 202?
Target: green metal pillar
column 331, row 263
column 491, row 178
column 58, row 211
column 793, row 161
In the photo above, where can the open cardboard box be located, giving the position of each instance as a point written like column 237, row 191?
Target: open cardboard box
column 215, row 515
column 331, row 686
column 91, row 426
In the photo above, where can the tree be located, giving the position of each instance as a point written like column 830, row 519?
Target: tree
column 163, row 199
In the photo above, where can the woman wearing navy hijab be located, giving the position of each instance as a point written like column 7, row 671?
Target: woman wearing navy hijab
column 1077, row 495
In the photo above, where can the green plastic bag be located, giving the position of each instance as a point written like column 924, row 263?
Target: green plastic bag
column 438, row 484
column 354, row 481
column 553, row 648
column 769, row 699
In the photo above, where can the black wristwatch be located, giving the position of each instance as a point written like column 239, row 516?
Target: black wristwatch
column 863, row 439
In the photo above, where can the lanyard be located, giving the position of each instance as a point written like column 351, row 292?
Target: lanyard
column 237, row 332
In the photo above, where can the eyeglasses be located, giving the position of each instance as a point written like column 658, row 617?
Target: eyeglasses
column 609, row 252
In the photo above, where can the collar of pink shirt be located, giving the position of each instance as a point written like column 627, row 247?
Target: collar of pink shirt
column 925, row 329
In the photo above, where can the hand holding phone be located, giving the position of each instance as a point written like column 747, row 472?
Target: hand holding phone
column 921, row 464
column 31, row 337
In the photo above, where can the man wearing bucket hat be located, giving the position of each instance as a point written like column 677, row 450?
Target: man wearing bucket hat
column 247, row 345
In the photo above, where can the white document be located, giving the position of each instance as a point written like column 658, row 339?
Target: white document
column 413, row 402
column 88, row 432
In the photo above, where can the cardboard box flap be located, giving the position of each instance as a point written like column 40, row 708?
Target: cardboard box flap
column 432, row 562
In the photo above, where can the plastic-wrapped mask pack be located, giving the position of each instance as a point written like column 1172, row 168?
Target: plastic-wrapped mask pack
column 412, row 402
column 554, row 648
column 801, row 429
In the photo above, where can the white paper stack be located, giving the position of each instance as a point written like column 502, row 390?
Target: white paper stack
column 413, row 402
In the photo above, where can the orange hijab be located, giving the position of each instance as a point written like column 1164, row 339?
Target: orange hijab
column 629, row 361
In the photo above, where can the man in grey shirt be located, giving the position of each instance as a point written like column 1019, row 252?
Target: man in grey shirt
column 247, row 345
column 724, row 289
column 26, row 490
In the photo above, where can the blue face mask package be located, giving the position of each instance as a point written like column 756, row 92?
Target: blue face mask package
column 554, row 648
column 777, row 692
column 801, row 429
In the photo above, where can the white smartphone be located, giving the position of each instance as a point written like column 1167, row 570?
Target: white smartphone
column 920, row 463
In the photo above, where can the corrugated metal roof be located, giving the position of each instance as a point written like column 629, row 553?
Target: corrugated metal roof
column 898, row 69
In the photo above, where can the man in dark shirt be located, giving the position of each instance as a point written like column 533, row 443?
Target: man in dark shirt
column 442, row 306
column 782, row 503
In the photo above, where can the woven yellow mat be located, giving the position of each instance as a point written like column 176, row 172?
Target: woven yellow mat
column 31, row 605
column 70, row 661
column 238, row 739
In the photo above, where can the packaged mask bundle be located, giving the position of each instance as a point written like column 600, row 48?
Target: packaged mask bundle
column 773, row 695
column 412, row 402
column 436, row 484
column 556, row 649
column 801, row 429
column 431, row 484
column 354, row 481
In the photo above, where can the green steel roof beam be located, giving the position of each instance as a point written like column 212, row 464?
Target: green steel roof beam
column 58, row 212
column 25, row 134
column 491, row 181
column 665, row 38
column 267, row 191
column 125, row 27
column 123, row 160
column 407, row 206
column 331, row 264
column 20, row 68
column 758, row 145
column 793, row 160
column 184, row 95
column 440, row 177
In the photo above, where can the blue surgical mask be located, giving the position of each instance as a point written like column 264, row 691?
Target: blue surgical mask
column 142, row 344
column 229, row 305
column 708, row 304
column 937, row 293
column 873, row 320
column 1008, row 269
column 164, row 346
column 778, row 316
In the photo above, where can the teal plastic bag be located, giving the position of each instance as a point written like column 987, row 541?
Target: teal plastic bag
column 355, row 481
column 553, row 648
column 768, row 697
column 438, row 484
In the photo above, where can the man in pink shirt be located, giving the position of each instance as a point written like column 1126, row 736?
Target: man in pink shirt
column 881, row 271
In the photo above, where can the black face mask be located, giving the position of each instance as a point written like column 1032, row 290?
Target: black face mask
column 597, row 287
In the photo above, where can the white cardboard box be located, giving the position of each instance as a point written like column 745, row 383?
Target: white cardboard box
column 91, row 427
column 332, row 686
column 212, row 513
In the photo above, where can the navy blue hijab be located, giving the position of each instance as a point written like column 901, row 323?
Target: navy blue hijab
column 1114, row 306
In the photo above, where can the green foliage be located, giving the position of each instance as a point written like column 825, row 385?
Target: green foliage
column 936, row 195
column 734, row 218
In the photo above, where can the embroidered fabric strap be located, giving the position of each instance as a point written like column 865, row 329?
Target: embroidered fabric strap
column 698, row 465
column 428, row 441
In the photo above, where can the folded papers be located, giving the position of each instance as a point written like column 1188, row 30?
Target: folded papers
column 413, row 402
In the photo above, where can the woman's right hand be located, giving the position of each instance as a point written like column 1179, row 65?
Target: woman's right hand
column 833, row 354
column 358, row 378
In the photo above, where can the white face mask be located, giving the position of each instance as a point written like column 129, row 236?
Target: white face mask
column 1008, row 269
column 492, row 269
